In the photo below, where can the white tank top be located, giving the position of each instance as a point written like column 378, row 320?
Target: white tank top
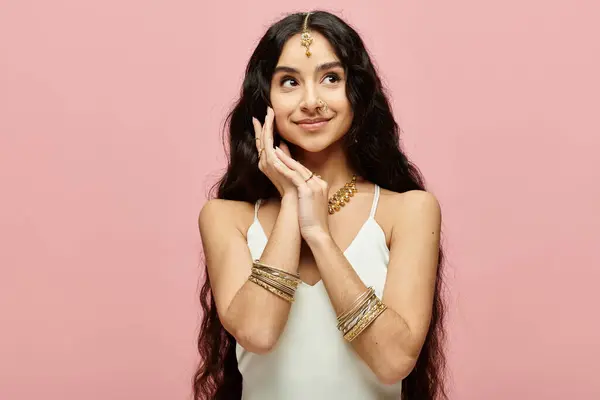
column 311, row 359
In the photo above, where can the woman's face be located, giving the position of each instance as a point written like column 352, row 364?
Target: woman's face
column 297, row 87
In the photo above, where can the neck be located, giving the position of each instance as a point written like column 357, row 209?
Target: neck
column 331, row 164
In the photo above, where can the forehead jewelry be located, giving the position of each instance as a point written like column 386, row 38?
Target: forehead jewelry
column 306, row 39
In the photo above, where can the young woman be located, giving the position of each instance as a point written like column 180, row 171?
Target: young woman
column 322, row 246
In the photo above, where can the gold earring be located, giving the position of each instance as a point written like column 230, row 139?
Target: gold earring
column 306, row 38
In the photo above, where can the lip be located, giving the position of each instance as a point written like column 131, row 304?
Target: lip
column 313, row 124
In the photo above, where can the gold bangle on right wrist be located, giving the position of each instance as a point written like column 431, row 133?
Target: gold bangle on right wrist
column 271, row 289
column 275, row 280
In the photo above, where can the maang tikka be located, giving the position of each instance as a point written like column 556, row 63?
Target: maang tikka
column 306, row 38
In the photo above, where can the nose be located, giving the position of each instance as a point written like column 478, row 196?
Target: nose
column 310, row 100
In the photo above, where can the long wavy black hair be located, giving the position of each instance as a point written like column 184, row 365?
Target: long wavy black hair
column 373, row 148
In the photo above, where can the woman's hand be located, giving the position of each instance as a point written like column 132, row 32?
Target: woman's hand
column 266, row 155
column 313, row 193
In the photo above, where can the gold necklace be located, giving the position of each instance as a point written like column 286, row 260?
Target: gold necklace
column 342, row 196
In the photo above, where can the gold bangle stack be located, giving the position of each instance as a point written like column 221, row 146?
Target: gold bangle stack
column 365, row 309
column 276, row 281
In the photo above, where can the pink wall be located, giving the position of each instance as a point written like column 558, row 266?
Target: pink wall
column 109, row 120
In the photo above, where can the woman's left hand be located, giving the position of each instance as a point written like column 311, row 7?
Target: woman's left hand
column 313, row 196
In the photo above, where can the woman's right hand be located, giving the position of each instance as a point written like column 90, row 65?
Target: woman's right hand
column 267, row 157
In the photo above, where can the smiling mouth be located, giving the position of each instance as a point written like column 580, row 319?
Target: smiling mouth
column 313, row 124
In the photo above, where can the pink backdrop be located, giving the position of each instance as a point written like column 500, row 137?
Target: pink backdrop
column 109, row 137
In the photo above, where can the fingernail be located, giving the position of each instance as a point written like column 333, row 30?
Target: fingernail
column 277, row 148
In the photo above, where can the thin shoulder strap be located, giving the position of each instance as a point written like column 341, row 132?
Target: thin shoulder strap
column 375, row 201
column 256, row 206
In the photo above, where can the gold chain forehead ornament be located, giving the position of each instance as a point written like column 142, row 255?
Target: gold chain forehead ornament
column 306, row 38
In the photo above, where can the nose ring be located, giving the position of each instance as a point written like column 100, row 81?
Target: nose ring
column 323, row 106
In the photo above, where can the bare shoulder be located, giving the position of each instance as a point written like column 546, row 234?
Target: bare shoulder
column 411, row 207
column 215, row 212
column 418, row 201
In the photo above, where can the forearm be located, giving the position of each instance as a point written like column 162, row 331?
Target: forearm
column 386, row 344
column 260, row 315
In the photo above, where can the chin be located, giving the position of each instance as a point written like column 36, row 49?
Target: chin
column 313, row 148
column 314, row 144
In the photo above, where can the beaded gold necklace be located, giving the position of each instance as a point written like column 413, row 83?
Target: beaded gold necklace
column 342, row 196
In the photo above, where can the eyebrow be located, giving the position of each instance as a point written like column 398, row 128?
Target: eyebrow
column 322, row 67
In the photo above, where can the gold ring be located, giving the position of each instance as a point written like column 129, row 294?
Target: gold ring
column 257, row 139
column 310, row 177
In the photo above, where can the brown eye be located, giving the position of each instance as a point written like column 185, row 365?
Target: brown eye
column 288, row 82
column 332, row 78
